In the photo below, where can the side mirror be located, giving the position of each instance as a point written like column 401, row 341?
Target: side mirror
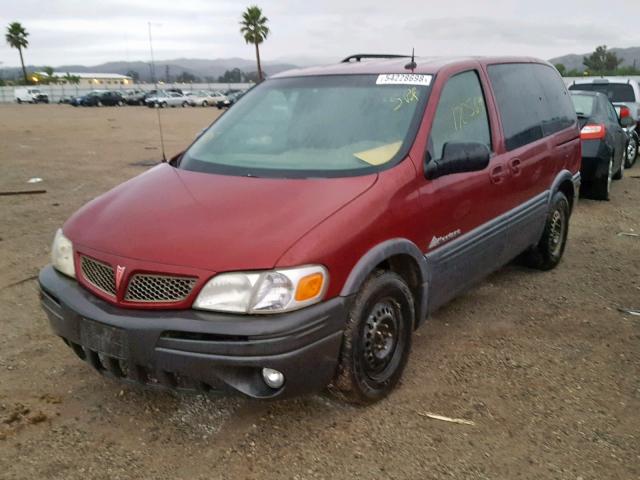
column 626, row 122
column 458, row 157
column 175, row 160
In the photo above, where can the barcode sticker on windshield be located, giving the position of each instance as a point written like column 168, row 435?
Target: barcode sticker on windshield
column 404, row 79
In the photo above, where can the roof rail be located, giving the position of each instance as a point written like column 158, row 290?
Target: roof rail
column 359, row 56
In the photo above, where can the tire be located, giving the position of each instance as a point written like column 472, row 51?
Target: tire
column 19, row 101
column 185, row 104
column 163, row 105
column 632, row 151
column 620, row 173
column 120, row 104
column 376, row 341
column 205, row 103
column 99, row 104
column 548, row 252
column 601, row 187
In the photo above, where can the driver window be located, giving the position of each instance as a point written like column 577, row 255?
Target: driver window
column 461, row 115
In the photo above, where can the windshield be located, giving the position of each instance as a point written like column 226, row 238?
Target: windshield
column 617, row 92
column 583, row 104
column 314, row 126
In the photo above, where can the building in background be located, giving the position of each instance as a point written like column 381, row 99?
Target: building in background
column 96, row 80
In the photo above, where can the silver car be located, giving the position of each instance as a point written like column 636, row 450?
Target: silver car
column 167, row 99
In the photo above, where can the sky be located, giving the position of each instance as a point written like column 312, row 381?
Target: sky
column 90, row 32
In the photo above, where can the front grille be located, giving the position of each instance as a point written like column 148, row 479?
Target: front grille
column 99, row 274
column 159, row 288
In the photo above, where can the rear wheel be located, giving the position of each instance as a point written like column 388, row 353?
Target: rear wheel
column 205, row 103
column 548, row 252
column 601, row 188
column 163, row 105
column 18, row 100
column 620, row 173
column 632, row 151
column 377, row 339
column 99, row 103
column 120, row 103
column 185, row 104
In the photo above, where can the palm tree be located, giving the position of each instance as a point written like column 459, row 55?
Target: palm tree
column 254, row 29
column 72, row 80
column 16, row 37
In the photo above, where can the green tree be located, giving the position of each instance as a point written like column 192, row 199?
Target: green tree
column 255, row 31
column 601, row 61
column 134, row 75
column 561, row 68
column 186, row 77
column 231, row 76
column 50, row 77
column 16, row 37
column 72, row 80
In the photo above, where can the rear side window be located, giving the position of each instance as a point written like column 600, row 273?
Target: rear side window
column 461, row 115
column 559, row 112
column 532, row 100
column 519, row 98
column 583, row 104
column 617, row 92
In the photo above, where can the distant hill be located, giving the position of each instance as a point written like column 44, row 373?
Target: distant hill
column 630, row 57
column 201, row 68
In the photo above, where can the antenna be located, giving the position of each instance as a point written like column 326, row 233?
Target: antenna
column 412, row 64
column 155, row 82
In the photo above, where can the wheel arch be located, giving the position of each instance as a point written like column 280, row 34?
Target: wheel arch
column 567, row 183
column 399, row 255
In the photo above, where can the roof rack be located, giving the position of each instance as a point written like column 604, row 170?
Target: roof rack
column 359, row 56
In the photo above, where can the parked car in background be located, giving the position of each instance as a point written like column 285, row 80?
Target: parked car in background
column 621, row 91
column 229, row 99
column 103, row 98
column 301, row 240
column 30, row 95
column 134, row 97
column 603, row 140
column 65, row 99
column 205, row 99
column 163, row 99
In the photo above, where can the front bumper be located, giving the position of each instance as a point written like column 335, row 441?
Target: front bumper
column 196, row 350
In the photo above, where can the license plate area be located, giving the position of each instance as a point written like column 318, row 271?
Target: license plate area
column 105, row 339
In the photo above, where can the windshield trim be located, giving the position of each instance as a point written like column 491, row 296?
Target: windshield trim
column 237, row 171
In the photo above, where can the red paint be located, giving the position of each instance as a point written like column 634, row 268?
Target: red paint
column 198, row 224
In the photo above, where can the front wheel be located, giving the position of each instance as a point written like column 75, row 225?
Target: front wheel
column 376, row 341
column 205, row 103
column 185, row 104
column 548, row 252
column 632, row 151
column 163, row 105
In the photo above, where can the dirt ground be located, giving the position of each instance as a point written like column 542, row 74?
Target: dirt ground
column 543, row 363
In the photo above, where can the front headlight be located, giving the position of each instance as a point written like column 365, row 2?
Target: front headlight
column 62, row 254
column 273, row 291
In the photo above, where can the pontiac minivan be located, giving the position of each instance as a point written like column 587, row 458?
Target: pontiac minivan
column 304, row 236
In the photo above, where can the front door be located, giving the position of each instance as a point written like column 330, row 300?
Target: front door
column 459, row 208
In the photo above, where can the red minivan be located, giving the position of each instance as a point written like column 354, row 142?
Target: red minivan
column 304, row 236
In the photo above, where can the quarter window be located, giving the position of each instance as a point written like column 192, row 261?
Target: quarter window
column 461, row 115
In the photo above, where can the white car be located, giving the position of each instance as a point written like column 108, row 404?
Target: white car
column 167, row 99
column 30, row 95
column 204, row 98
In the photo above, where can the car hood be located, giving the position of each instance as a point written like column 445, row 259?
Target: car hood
column 208, row 221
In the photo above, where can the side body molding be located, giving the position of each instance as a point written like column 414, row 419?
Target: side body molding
column 380, row 253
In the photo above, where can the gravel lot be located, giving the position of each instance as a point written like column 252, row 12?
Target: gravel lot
column 543, row 363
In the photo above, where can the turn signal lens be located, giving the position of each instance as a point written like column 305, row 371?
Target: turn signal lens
column 309, row 287
column 593, row 132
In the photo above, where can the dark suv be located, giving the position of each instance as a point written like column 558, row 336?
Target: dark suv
column 305, row 235
column 98, row 99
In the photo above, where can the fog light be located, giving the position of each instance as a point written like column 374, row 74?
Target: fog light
column 273, row 378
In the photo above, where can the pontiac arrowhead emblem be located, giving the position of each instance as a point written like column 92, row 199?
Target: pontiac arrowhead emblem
column 119, row 275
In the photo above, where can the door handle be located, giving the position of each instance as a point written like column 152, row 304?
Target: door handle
column 515, row 166
column 497, row 174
